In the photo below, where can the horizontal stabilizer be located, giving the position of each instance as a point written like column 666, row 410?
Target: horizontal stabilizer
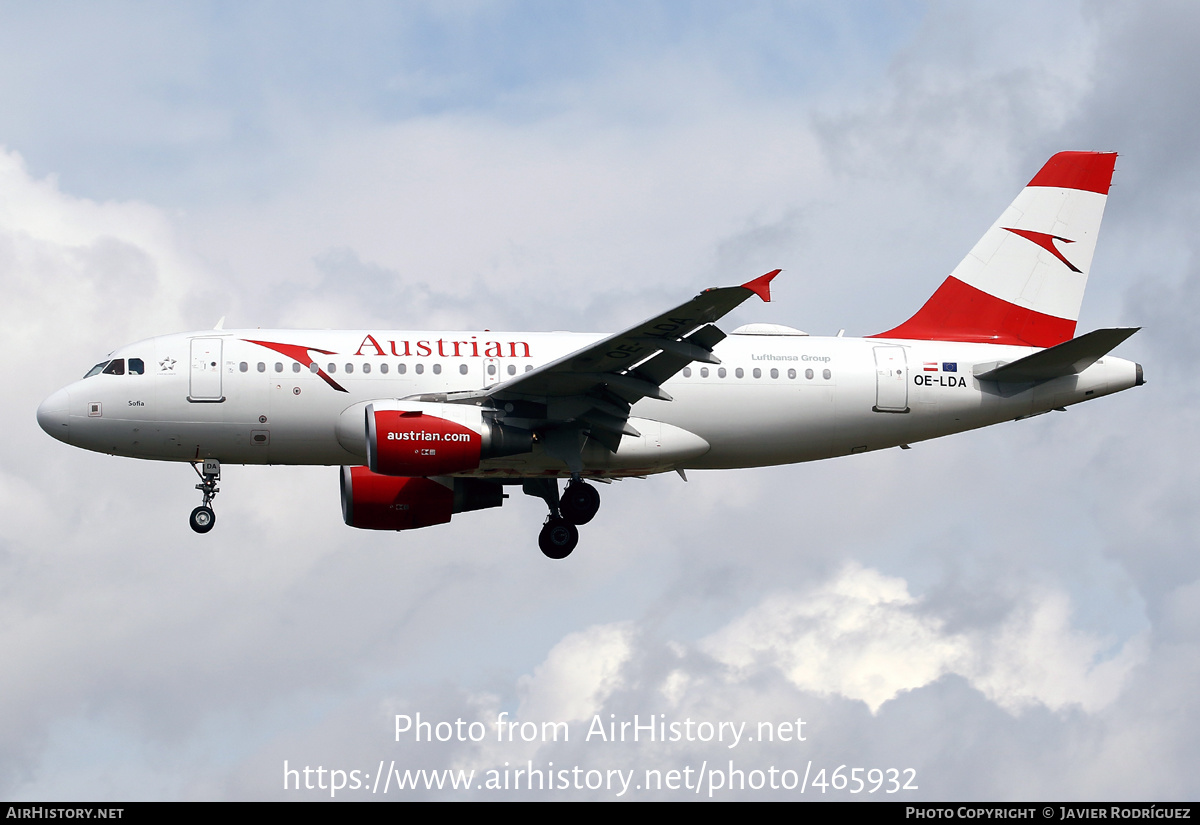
column 1069, row 358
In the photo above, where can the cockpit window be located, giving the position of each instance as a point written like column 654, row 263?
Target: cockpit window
column 117, row 367
column 96, row 369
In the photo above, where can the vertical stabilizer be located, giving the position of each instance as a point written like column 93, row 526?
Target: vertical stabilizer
column 1023, row 282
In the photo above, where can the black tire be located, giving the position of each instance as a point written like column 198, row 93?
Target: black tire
column 203, row 519
column 579, row 502
column 558, row 538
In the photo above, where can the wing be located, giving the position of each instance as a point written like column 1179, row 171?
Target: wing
column 590, row 391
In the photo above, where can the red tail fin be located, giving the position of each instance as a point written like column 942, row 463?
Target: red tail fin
column 1023, row 282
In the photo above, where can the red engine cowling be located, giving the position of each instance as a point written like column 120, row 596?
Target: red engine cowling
column 413, row 443
column 415, row 438
column 378, row 502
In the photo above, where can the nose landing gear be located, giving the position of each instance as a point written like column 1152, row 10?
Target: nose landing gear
column 203, row 518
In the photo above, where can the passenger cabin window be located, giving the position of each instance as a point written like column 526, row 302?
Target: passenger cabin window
column 243, row 366
column 383, row 368
column 462, row 369
column 687, row 372
column 437, row 369
column 115, row 367
column 419, row 368
column 721, row 372
column 512, row 369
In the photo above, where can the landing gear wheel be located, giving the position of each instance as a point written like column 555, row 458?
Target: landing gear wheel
column 579, row 502
column 209, row 470
column 203, row 519
column 558, row 538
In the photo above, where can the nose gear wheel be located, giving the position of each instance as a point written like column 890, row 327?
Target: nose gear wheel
column 203, row 518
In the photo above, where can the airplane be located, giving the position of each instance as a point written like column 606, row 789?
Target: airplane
column 426, row 425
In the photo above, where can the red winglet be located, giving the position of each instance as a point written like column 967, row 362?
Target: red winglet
column 1087, row 171
column 761, row 286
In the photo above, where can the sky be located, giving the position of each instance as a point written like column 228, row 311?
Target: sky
column 1009, row 614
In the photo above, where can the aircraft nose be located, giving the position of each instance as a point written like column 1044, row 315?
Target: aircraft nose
column 52, row 414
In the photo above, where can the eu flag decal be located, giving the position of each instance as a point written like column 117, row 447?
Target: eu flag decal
column 949, row 366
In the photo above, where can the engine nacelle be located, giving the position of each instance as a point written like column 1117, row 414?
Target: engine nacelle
column 413, row 443
column 415, row 438
column 379, row 502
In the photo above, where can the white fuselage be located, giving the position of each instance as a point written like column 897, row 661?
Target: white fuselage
column 774, row 399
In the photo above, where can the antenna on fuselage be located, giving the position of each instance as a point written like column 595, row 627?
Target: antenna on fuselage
column 221, row 323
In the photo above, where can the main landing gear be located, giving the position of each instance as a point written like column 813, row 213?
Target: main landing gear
column 577, row 505
column 558, row 537
column 203, row 518
column 579, row 502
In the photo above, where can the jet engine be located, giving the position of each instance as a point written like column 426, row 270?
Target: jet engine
column 414, row 438
column 382, row 502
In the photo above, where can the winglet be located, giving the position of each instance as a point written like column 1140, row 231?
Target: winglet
column 761, row 286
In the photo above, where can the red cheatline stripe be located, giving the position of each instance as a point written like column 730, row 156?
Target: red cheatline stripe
column 960, row 312
column 1086, row 171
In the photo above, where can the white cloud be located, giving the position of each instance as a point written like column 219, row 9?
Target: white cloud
column 578, row 675
column 863, row 636
column 858, row 637
column 1036, row 657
